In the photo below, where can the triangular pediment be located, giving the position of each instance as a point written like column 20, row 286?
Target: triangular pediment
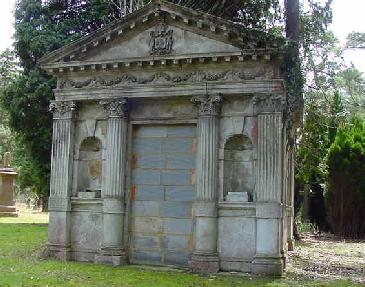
column 175, row 42
column 193, row 33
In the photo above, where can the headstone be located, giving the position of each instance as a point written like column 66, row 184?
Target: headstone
column 7, row 181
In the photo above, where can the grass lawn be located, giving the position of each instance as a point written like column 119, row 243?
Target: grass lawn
column 23, row 239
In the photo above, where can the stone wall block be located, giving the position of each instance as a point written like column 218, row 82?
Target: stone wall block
column 177, row 226
column 176, row 209
column 176, row 177
column 146, row 208
column 149, row 193
column 146, row 177
column 180, row 193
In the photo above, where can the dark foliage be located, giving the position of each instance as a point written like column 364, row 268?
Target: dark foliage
column 346, row 166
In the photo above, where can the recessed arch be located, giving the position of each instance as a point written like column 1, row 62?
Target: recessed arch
column 238, row 168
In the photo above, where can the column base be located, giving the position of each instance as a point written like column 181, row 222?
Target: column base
column 268, row 266
column 204, row 263
column 8, row 211
column 59, row 252
column 109, row 256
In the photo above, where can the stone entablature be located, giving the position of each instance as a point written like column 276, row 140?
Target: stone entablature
column 169, row 146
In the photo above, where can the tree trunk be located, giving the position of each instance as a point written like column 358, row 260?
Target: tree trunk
column 292, row 19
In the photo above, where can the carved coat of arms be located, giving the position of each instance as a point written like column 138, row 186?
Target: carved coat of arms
column 161, row 40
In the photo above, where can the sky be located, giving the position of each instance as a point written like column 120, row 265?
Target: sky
column 348, row 17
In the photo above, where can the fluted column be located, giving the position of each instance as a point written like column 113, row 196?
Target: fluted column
column 205, row 257
column 61, row 179
column 113, row 192
column 269, row 186
column 270, row 148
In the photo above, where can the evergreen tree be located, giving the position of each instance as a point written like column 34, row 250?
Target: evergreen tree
column 346, row 168
column 39, row 29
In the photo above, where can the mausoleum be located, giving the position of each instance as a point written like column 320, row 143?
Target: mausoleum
column 172, row 145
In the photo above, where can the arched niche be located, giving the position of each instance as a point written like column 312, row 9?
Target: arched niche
column 90, row 168
column 238, row 175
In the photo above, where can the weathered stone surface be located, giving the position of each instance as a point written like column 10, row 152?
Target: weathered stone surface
column 236, row 238
column 156, row 120
column 150, row 192
column 172, row 177
column 146, row 177
column 177, row 258
column 180, row 193
column 177, row 226
column 146, row 208
column 176, row 209
column 175, row 242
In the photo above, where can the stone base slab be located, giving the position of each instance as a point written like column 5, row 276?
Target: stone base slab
column 235, row 265
column 204, row 264
column 83, row 255
column 59, row 252
column 268, row 266
column 111, row 256
column 110, row 259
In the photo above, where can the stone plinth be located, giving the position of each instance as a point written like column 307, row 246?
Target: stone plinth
column 7, row 203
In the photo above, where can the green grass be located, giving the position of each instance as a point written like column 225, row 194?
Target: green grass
column 23, row 239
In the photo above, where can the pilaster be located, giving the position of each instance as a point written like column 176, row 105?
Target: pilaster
column 205, row 257
column 59, row 244
column 113, row 192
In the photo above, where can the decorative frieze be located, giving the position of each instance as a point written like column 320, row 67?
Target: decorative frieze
column 208, row 105
column 269, row 104
column 161, row 78
column 117, row 108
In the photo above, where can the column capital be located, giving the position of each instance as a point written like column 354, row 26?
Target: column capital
column 268, row 104
column 116, row 108
column 208, row 105
column 62, row 110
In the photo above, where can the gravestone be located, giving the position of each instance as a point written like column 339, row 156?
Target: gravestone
column 7, row 184
column 172, row 145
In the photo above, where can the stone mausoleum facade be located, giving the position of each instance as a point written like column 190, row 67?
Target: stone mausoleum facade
column 171, row 145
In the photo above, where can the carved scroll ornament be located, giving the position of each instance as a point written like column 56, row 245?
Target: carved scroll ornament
column 117, row 108
column 62, row 109
column 208, row 105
